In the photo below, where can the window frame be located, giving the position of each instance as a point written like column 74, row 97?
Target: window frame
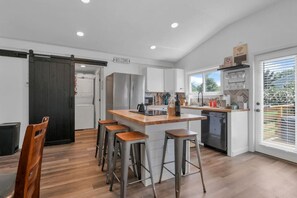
column 203, row 73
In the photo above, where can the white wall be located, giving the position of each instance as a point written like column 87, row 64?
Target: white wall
column 14, row 103
column 13, row 77
column 268, row 30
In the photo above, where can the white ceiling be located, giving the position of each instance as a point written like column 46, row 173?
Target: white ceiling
column 123, row 27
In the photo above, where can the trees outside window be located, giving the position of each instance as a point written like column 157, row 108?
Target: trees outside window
column 279, row 81
column 206, row 82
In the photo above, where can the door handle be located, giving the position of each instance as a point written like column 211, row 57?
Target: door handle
column 257, row 110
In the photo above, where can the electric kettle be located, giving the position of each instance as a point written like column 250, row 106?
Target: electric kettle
column 140, row 107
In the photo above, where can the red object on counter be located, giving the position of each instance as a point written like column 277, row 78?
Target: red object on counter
column 214, row 103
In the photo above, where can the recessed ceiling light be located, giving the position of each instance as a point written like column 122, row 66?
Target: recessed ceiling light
column 82, row 66
column 174, row 25
column 85, row 1
column 153, row 47
column 80, row 34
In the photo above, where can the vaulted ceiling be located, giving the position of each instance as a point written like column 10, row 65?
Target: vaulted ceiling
column 124, row 27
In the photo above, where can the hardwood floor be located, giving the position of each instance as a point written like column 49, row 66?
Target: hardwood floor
column 71, row 171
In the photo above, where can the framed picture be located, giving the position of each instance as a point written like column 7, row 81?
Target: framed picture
column 228, row 61
column 240, row 53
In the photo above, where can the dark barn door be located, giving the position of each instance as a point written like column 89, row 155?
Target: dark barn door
column 51, row 93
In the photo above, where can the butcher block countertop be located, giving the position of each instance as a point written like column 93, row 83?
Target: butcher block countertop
column 153, row 120
column 213, row 109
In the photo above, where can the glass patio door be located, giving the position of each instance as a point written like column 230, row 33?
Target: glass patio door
column 275, row 77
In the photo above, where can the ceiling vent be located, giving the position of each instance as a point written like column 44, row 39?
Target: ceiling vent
column 121, row 60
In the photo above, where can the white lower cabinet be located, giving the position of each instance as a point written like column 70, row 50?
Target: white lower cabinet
column 237, row 136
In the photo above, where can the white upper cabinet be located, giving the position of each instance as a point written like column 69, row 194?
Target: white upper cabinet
column 154, row 80
column 174, row 80
column 169, row 80
column 179, row 75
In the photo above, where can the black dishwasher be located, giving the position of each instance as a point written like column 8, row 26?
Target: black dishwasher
column 214, row 130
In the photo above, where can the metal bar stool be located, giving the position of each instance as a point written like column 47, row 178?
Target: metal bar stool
column 126, row 140
column 100, row 137
column 180, row 136
column 110, row 132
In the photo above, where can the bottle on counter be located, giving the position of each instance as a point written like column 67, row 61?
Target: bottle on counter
column 177, row 106
column 171, row 106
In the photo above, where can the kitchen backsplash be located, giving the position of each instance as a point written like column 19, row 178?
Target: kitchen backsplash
column 194, row 101
column 238, row 95
column 163, row 98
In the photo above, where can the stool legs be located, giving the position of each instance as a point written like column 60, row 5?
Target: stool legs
column 184, row 157
column 178, row 148
column 163, row 157
column 110, row 137
column 104, row 151
column 101, row 137
column 97, row 142
column 180, row 160
column 134, row 165
column 124, row 169
column 126, row 146
column 199, row 162
column 137, row 159
column 116, row 150
column 148, row 154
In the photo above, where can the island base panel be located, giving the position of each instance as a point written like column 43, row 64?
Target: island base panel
column 156, row 135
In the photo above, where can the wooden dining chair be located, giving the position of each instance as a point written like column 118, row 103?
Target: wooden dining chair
column 27, row 180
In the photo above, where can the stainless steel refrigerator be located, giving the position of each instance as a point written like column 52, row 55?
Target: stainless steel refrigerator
column 123, row 91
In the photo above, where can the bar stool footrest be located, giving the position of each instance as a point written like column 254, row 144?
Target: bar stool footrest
column 184, row 174
column 169, row 170
column 140, row 180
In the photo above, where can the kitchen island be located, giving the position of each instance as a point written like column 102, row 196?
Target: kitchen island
column 155, row 127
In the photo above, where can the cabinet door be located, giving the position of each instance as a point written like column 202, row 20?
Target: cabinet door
column 174, row 80
column 169, row 85
column 51, row 93
column 179, row 80
column 154, row 80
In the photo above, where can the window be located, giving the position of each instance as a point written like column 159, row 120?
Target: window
column 196, row 82
column 279, row 101
column 208, row 82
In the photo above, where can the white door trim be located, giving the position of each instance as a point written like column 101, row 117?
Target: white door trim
column 258, row 117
